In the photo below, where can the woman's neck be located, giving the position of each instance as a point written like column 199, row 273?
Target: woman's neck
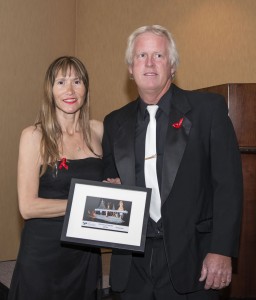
column 69, row 123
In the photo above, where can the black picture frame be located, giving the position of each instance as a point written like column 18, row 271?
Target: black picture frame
column 106, row 215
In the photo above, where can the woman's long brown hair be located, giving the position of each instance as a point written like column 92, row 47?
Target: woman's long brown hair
column 47, row 119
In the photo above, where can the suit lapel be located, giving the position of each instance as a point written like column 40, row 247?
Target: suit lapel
column 176, row 141
column 124, row 145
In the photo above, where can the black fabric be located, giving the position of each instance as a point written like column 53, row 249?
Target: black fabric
column 162, row 118
column 201, row 171
column 150, row 278
column 3, row 292
column 45, row 268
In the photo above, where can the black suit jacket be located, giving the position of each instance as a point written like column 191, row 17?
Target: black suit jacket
column 201, row 189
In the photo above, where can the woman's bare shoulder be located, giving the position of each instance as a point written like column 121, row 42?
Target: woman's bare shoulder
column 31, row 137
column 33, row 130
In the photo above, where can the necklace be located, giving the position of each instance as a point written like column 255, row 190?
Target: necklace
column 79, row 149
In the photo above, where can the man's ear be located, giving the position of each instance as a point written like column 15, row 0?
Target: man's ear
column 130, row 70
column 173, row 70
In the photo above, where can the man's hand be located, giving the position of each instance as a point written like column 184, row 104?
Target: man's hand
column 113, row 180
column 216, row 271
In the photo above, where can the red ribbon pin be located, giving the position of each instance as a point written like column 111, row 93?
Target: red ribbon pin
column 178, row 124
column 63, row 164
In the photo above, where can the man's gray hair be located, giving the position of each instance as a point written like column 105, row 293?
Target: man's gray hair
column 158, row 30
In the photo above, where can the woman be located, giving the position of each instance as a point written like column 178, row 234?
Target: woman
column 62, row 144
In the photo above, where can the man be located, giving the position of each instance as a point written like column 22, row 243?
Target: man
column 194, row 224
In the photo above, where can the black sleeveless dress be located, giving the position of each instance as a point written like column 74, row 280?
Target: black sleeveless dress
column 45, row 268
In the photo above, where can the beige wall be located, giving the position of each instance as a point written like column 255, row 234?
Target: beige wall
column 32, row 34
column 216, row 40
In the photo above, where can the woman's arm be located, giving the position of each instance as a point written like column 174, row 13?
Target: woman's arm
column 30, row 205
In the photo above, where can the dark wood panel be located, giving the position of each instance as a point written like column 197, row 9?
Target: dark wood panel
column 242, row 110
column 241, row 100
column 247, row 150
column 244, row 277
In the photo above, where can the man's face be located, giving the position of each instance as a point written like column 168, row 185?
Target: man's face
column 151, row 68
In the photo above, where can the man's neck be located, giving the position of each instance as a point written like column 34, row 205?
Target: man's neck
column 153, row 97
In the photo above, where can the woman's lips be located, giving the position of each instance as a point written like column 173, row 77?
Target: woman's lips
column 70, row 100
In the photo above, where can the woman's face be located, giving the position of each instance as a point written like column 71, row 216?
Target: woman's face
column 69, row 92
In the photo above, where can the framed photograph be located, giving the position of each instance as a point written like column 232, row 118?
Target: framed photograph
column 106, row 215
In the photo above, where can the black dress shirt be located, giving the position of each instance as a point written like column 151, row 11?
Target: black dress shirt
column 162, row 118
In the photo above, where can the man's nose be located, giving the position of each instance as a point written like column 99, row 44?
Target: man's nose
column 150, row 61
